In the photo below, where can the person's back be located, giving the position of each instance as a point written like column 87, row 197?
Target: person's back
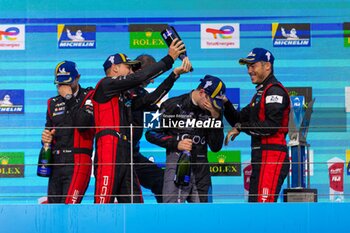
column 149, row 174
column 112, row 107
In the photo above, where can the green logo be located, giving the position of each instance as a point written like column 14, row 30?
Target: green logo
column 225, row 163
column 146, row 36
column 11, row 164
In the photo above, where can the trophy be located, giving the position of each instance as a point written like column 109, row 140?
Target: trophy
column 299, row 121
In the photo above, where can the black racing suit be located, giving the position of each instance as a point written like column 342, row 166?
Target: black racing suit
column 265, row 119
column 113, row 116
column 149, row 174
column 182, row 109
column 71, row 147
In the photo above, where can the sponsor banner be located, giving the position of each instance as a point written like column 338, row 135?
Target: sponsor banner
column 146, row 36
column 11, row 101
column 76, row 36
column 233, row 94
column 11, row 164
column 347, row 99
column 12, row 37
column 247, row 172
column 346, row 34
column 347, row 162
column 220, row 36
column 225, row 163
column 336, row 179
column 291, row 35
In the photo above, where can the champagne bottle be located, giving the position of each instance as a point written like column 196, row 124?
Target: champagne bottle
column 169, row 34
column 44, row 167
column 183, row 169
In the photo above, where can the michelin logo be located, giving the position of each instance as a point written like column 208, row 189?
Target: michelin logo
column 11, row 101
column 291, row 35
column 76, row 36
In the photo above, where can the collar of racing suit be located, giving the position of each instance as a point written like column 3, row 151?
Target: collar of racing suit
column 270, row 79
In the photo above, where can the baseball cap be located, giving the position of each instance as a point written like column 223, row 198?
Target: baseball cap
column 66, row 72
column 119, row 58
column 257, row 54
column 215, row 89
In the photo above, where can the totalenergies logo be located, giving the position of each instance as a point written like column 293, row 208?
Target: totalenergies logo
column 10, row 33
column 220, row 36
column 223, row 32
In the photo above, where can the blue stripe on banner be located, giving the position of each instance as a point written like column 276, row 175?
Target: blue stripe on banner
column 180, row 27
column 326, row 26
column 53, row 29
column 313, row 36
column 140, row 19
column 340, row 35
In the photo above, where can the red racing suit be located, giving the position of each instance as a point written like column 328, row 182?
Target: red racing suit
column 71, row 147
column 265, row 119
column 116, row 180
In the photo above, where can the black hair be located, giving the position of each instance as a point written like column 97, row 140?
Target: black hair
column 264, row 62
column 199, row 87
column 146, row 60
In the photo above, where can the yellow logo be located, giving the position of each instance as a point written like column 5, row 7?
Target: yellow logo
column 4, row 160
column 293, row 93
column 221, row 158
column 68, row 80
column 148, row 34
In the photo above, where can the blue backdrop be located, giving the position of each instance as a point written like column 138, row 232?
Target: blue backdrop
column 322, row 65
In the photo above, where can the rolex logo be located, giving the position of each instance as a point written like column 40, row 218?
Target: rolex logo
column 4, row 160
column 148, row 34
column 221, row 158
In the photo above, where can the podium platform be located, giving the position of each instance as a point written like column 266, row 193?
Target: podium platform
column 299, row 195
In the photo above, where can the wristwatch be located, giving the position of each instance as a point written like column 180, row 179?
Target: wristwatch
column 68, row 96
